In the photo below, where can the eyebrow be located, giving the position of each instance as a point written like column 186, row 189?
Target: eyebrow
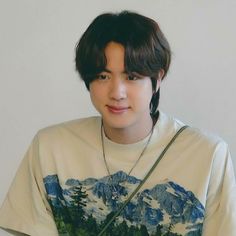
column 106, row 70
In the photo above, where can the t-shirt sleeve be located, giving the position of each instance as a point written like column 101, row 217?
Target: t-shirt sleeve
column 220, row 216
column 25, row 209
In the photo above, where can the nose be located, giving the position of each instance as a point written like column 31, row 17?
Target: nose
column 118, row 89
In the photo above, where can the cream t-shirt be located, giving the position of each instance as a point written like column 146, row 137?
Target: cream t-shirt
column 62, row 186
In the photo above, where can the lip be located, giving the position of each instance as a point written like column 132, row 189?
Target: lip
column 117, row 109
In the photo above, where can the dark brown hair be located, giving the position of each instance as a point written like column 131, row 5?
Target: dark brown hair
column 146, row 48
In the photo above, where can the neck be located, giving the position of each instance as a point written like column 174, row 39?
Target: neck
column 128, row 135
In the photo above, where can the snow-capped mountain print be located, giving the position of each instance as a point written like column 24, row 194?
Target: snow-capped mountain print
column 83, row 207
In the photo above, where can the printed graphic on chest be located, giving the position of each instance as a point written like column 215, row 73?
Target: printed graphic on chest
column 83, row 207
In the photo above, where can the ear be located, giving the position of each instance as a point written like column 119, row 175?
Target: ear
column 161, row 73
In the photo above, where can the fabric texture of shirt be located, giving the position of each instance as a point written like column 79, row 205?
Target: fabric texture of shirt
column 62, row 186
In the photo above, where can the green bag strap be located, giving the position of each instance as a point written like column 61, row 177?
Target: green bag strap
column 143, row 181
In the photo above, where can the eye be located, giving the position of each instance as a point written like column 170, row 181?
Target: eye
column 102, row 77
column 133, row 77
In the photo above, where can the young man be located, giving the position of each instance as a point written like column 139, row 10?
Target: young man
column 77, row 175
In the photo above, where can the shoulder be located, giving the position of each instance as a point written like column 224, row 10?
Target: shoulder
column 206, row 145
column 206, row 139
column 204, row 136
column 68, row 129
column 194, row 137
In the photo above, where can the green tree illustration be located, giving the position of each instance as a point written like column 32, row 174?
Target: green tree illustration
column 133, row 230
column 78, row 203
column 111, row 227
column 61, row 216
column 122, row 229
column 91, row 226
column 143, row 230
column 158, row 230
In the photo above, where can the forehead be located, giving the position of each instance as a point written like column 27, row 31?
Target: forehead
column 115, row 56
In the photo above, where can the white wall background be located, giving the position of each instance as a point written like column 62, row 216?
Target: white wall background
column 39, row 86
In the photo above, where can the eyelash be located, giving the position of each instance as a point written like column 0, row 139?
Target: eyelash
column 99, row 76
column 130, row 77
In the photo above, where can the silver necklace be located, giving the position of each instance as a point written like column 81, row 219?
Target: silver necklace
column 115, row 192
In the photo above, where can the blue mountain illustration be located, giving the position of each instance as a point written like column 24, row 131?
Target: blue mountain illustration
column 165, row 204
column 52, row 185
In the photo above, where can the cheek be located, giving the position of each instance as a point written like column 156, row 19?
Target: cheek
column 97, row 95
column 94, row 93
column 142, row 96
column 94, row 89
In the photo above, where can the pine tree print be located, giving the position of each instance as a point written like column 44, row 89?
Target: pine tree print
column 78, row 202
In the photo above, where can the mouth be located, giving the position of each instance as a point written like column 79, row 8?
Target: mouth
column 117, row 109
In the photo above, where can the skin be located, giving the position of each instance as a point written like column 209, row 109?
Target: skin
column 122, row 99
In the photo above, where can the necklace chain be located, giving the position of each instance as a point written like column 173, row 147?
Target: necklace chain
column 115, row 192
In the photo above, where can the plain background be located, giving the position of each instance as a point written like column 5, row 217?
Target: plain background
column 39, row 85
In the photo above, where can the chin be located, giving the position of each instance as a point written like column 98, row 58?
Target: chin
column 117, row 123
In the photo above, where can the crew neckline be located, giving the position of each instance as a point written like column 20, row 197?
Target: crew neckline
column 158, row 130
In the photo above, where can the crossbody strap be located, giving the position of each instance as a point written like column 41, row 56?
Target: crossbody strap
column 143, row 181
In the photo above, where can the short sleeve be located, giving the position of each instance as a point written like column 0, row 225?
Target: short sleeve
column 220, row 216
column 25, row 208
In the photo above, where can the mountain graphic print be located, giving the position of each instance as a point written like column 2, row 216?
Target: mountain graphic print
column 83, row 207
